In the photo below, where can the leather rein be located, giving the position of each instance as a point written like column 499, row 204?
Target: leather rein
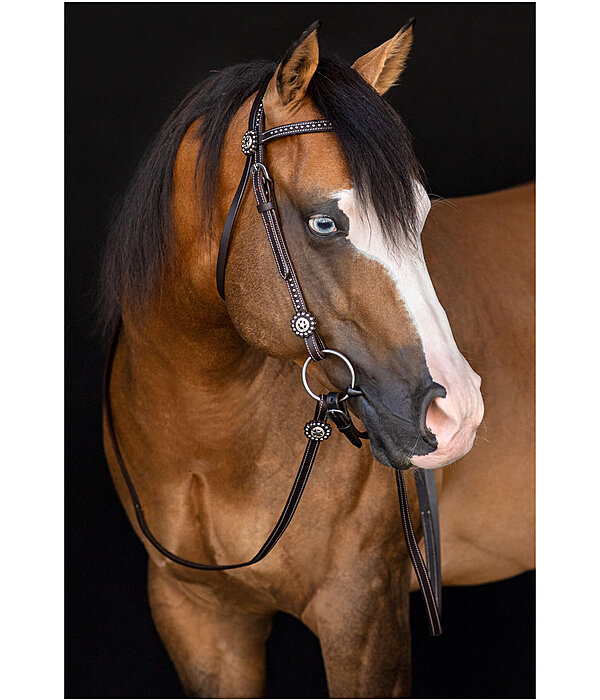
column 331, row 406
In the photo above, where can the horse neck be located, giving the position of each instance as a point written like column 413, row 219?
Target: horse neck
column 187, row 337
column 184, row 341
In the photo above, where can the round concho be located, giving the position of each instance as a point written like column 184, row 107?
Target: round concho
column 303, row 324
column 248, row 142
column 317, row 430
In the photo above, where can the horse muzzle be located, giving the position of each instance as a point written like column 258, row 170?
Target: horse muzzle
column 396, row 422
column 428, row 427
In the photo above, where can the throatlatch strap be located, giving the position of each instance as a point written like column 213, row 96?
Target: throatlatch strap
column 235, row 204
column 258, row 139
column 254, row 141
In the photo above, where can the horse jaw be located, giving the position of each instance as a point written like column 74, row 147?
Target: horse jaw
column 454, row 419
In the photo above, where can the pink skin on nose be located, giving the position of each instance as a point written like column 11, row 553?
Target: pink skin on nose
column 454, row 419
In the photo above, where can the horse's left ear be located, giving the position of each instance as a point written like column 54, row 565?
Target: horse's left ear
column 288, row 85
column 382, row 66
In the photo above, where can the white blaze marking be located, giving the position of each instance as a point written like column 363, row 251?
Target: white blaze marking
column 456, row 417
column 408, row 269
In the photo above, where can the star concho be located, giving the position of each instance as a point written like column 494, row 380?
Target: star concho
column 303, row 324
column 248, row 142
column 317, row 430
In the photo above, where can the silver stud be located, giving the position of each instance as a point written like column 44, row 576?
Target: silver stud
column 303, row 324
column 317, row 430
column 249, row 141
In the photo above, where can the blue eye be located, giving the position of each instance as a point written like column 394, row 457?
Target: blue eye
column 322, row 225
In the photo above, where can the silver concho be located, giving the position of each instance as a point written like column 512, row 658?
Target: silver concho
column 249, row 142
column 317, row 430
column 303, row 324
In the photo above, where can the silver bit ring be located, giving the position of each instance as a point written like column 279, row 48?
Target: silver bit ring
column 337, row 354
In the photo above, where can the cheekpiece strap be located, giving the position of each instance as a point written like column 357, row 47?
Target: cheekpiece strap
column 303, row 323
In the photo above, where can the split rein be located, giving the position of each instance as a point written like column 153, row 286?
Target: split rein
column 331, row 406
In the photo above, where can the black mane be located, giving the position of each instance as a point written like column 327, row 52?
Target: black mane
column 377, row 145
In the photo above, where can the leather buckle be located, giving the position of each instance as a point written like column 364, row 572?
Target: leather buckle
column 264, row 172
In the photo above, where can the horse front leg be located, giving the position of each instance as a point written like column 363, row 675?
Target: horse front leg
column 218, row 650
column 362, row 621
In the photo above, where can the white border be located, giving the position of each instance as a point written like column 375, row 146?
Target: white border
column 31, row 279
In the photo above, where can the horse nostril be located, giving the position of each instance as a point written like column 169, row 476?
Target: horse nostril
column 433, row 391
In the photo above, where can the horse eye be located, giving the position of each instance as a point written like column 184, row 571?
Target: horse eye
column 322, row 225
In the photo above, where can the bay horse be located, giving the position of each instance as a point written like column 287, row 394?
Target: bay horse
column 206, row 395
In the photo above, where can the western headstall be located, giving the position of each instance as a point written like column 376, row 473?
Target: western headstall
column 331, row 406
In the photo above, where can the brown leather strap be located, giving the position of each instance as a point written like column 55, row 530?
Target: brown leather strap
column 254, row 141
column 316, row 430
column 338, row 413
column 263, row 188
column 433, row 614
column 235, row 205
column 310, row 127
column 430, row 520
column 287, row 513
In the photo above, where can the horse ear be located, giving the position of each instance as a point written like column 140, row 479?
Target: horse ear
column 382, row 66
column 288, row 85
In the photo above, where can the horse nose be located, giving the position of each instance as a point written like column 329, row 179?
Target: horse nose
column 433, row 391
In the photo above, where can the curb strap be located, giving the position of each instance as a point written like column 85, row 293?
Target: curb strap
column 431, row 608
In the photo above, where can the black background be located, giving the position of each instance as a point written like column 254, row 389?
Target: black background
column 467, row 97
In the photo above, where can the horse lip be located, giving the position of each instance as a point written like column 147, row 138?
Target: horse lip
column 377, row 444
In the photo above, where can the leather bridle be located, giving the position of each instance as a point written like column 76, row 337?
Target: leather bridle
column 330, row 406
column 253, row 142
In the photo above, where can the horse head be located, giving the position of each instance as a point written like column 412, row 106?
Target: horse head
column 353, row 208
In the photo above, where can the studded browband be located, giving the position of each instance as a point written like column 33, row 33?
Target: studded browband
column 303, row 323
